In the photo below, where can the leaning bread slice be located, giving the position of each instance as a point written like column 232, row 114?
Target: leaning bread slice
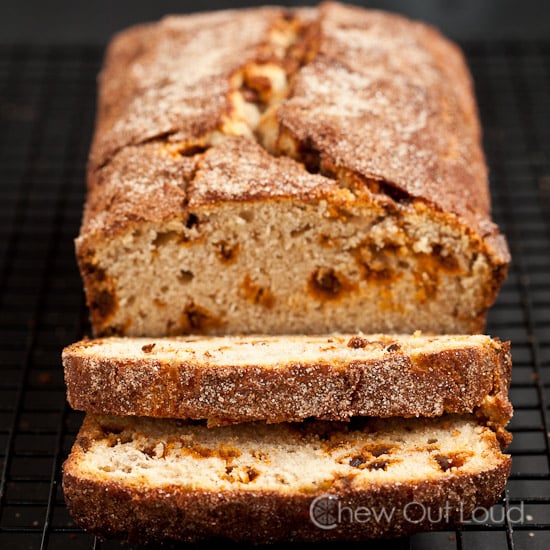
column 145, row 479
column 289, row 378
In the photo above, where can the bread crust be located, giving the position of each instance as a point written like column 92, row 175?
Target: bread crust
column 460, row 379
column 140, row 66
column 111, row 510
column 171, row 79
column 142, row 512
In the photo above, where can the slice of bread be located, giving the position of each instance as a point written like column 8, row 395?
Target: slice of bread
column 144, row 479
column 289, row 378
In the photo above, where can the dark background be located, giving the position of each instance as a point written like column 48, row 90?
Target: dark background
column 94, row 21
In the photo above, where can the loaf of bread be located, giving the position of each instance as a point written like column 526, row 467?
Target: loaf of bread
column 287, row 171
column 274, row 378
column 148, row 479
column 263, row 177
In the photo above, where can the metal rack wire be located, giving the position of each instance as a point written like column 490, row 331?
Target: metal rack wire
column 47, row 99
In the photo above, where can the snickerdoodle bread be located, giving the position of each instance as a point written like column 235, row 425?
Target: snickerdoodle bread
column 287, row 171
column 149, row 479
column 275, row 378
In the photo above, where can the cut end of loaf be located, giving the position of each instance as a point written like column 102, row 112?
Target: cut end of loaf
column 170, row 479
column 335, row 261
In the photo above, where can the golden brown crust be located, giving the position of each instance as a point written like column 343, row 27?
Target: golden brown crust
column 464, row 379
column 407, row 117
column 172, row 77
column 141, row 184
column 111, row 510
column 223, row 176
column 392, row 101
column 156, row 182
column 145, row 512
column 497, row 410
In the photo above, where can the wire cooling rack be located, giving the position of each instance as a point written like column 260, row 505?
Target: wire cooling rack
column 47, row 100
